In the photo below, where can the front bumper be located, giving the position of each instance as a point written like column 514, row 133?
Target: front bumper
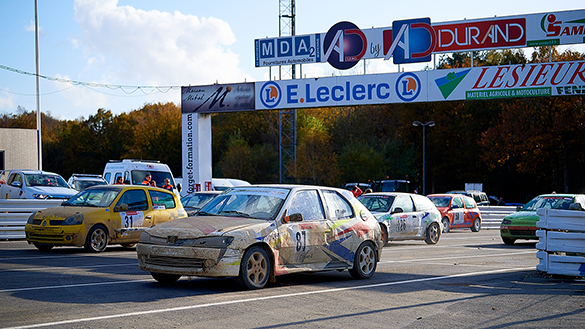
column 518, row 232
column 55, row 235
column 210, row 262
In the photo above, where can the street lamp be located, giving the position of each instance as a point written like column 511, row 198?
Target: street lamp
column 430, row 124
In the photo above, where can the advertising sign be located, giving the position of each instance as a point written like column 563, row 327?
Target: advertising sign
column 217, row 98
column 415, row 40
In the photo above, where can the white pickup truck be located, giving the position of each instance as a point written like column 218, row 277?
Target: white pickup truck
column 33, row 184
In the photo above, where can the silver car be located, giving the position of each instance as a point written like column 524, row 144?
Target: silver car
column 405, row 216
column 255, row 233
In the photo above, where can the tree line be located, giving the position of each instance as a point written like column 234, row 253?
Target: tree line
column 518, row 148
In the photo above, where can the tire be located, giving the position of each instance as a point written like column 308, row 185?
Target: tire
column 254, row 269
column 446, row 225
column 165, row 278
column 476, row 225
column 43, row 247
column 365, row 261
column 508, row 241
column 433, row 233
column 97, row 239
column 384, row 234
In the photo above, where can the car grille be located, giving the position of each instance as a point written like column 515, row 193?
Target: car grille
column 523, row 232
column 46, row 238
column 52, row 222
column 174, row 261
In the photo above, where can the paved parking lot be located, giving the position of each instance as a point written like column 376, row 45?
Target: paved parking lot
column 467, row 280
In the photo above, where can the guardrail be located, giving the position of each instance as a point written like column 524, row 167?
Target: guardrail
column 561, row 242
column 15, row 212
column 492, row 216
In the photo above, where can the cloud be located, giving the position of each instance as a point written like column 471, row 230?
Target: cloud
column 31, row 28
column 133, row 46
column 6, row 100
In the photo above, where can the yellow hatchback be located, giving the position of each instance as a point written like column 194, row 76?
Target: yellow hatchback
column 103, row 215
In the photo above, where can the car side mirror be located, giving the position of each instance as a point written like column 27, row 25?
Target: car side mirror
column 17, row 184
column 121, row 207
column 397, row 210
column 298, row 217
column 179, row 187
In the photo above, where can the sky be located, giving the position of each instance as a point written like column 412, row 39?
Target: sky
column 114, row 46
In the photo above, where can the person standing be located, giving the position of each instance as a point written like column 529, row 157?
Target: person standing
column 167, row 185
column 356, row 191
column 147, row 180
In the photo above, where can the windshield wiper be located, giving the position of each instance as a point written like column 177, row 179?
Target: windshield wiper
column 243, row 214
column 204, row 213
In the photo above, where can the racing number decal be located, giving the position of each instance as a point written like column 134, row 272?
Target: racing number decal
column 401, row 224
column 458, row 218
column 301, row 237
column 132, row 219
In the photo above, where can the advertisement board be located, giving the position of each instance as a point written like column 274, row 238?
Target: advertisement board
column 217, row 98
column 415, row 40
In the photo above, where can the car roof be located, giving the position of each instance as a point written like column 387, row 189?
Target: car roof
column 388, row 193
column 561, row 195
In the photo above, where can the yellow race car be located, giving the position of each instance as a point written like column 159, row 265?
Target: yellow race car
column 103, row 215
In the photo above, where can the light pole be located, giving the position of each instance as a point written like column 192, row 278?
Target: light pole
column 424, row 125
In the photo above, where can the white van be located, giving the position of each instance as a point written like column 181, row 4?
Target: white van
column 134, row 172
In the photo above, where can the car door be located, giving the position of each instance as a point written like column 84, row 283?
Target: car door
column 458, row 211
column 405, row 221
column 340, row 238
column 163, row 209
column 135, row 214
column 302, row 241
column 14, row 192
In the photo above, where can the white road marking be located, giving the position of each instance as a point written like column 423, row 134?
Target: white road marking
column 248, row 300
column 454, row 257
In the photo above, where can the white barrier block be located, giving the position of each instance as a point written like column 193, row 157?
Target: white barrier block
column 542, row 213
column 566, row 265
column 542, row 242
column 567, row 220
column 565, row 241
column 543, row 258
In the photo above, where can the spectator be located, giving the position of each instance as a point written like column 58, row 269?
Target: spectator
column 153, row 183
column 119, row 181
column 356, row 191
column 368, row 190
column 501, row 202
column 147, row 180
column 167, row 185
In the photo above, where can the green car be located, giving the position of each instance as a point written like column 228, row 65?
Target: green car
column 522, row 224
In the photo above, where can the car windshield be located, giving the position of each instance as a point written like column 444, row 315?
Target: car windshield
column 197, row 201
column 158, row 177
column 45, row 180
column 83, row 184
column 248, row 202
column 95, row 197
column 377, row 203
column 441, row 201
column 548, row 202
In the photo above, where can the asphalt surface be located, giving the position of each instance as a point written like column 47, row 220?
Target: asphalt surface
column 467, row 280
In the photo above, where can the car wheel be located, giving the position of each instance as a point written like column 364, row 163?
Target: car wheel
column 433, row 233
column 97, row 239
column 254, row 269
column 165, row 278
column 446, row 225
column 476, row 225
column 384, row 234
column 508, row 241
column 43, row 247
column 365, row 262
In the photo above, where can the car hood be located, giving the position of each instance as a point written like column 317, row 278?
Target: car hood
column 194, row 227
column 523, row 217
column 54, row 192
column 66, row 211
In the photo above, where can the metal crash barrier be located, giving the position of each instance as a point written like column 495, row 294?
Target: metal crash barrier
column 561, row 242
column 15, row 212
column 492, row 216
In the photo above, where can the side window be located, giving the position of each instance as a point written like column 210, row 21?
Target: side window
column 457, row 202
column 135, row 199
column 162, row 200
column 307, row 203
column 107, row 177
column 14, row 178
column 469, row 203
column 337, row 206
column 404, row 202
column 423, row 203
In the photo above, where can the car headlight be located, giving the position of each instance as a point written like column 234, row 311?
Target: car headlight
column 31, row 218
column 40, row 196
column 506, row 222
column 76, row 219
column 144, row 237
column 209, row 242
